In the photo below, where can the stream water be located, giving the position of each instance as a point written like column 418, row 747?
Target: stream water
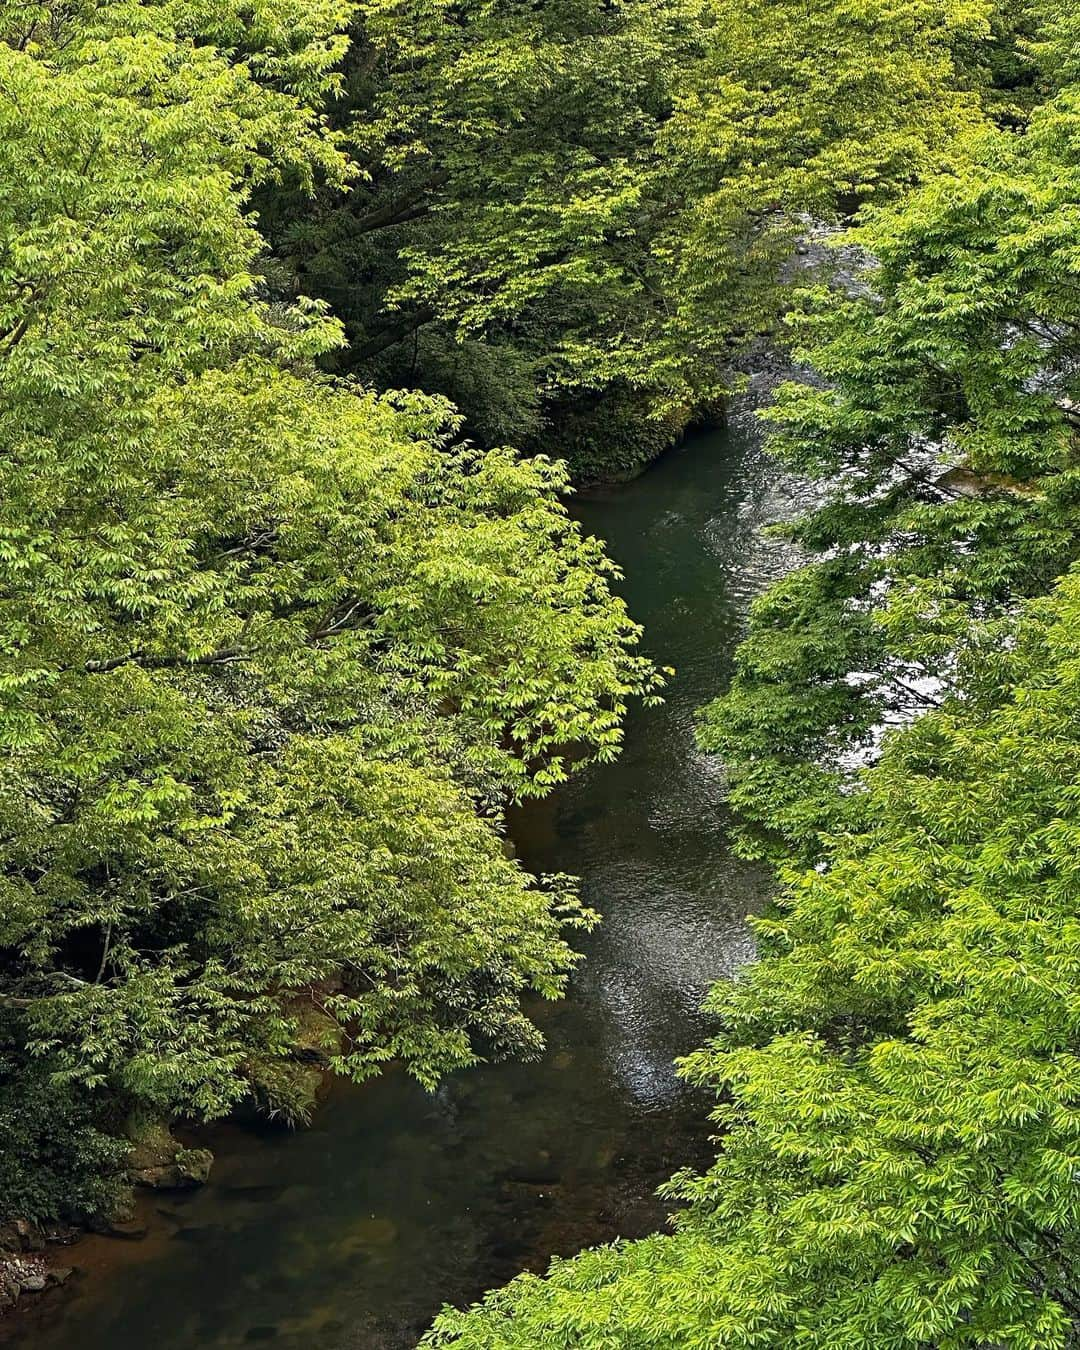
column 352, row 1233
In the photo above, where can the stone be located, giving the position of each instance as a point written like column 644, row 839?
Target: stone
column 187, row 1168
column 166, row 1177
column 122, row 1223
column 21, row 1235
column 159, row 1162
column 194, row 1165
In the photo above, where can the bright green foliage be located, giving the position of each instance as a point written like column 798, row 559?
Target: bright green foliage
column 899, row 1128
column 898, row 1084
column 573, row 215
column 799, row 109
column 275, row 651
column 947, row 423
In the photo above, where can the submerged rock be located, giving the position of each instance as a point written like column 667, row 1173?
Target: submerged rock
column 541, row 1173
column 375, row 1232
column 120, row 1224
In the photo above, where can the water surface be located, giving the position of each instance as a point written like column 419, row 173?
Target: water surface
column 351, row 1234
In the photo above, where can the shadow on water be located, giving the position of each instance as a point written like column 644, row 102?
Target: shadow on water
column 352, row 1233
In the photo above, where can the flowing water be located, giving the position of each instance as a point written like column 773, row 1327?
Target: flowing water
column 352, row 1233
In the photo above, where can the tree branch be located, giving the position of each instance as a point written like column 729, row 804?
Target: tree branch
column 409, row 207
column 222, row 656
column 391, row 336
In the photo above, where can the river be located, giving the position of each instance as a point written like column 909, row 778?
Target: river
column 349, row 1235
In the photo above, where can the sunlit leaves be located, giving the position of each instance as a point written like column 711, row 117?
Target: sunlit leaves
column 899, row 1134
column 275, row 651
column 896, row 1076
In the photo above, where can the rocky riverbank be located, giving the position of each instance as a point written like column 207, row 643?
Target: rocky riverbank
column 29, row 1261
column 31, row 1253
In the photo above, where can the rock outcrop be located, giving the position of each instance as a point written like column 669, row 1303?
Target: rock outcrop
column 160, row 1162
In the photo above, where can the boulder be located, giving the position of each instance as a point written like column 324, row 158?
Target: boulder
column 159, row 1162
column 118, row 1226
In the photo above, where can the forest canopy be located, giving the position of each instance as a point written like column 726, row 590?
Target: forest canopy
column 277, row 648
column 571, row 217
column 311, row 313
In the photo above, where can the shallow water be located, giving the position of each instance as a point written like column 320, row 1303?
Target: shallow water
column 352, row 1233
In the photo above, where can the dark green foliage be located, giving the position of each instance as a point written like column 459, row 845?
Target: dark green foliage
column 58, row 1158
column 495, row 243
column 583, row 207
column 612, row 436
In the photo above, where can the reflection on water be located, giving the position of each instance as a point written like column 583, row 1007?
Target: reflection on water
column 352, row 1233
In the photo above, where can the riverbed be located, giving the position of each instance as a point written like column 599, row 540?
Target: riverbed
column 349, row 1235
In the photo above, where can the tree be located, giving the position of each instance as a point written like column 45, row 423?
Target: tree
column 571, row 218
column 799, row 112
column 943, row 412
column 275, row 650
column 897, row 1076
column 496, row 238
